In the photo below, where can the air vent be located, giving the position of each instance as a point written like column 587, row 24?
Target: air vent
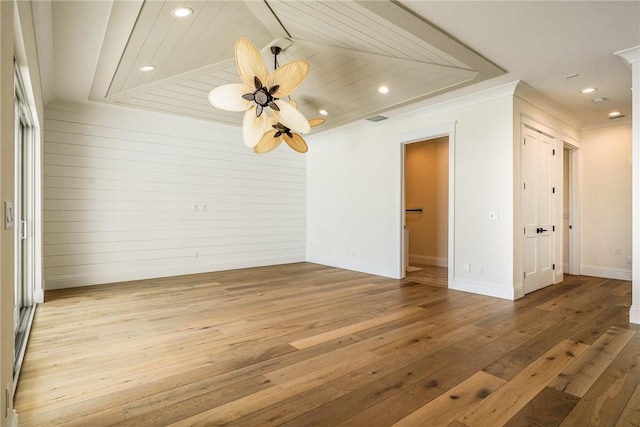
column 616, row 117
column 377, row 118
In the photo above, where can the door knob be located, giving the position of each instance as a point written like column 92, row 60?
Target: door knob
column 542, row 230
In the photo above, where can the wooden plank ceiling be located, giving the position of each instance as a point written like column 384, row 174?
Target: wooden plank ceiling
column 352, row 48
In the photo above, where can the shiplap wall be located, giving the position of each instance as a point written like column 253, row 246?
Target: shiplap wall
column 132, row 194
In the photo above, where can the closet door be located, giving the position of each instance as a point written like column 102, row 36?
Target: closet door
column 537, row 208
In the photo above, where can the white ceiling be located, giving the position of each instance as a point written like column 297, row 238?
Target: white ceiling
column 417, row 48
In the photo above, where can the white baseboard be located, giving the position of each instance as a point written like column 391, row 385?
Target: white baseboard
column 606, row 272
column 428, row 260
column 78, row 280
column 634, row 314
column 518, row 290
column 487, row 289
column 38, row 296
column 379, row 270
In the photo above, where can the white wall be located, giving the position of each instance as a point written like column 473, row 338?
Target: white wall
column 606, row 201
column 354, row 190
column 122, row 187
column 6, row 187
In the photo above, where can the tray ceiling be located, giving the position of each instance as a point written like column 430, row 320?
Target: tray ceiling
column 352, row 48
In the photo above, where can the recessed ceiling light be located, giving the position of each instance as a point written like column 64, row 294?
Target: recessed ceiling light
column 323, row 112
column 615, row 114
column 598, row 100
column 147, row 68
column 383, row 89
column 589, row 90
column 181, row 12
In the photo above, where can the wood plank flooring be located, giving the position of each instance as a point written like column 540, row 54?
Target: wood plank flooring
column 304, row 344
column 436, row 276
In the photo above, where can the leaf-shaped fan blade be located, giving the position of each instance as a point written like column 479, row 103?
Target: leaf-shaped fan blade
column 267, row 143
column 253, row 127
column 291, row 117
column 250, row 63
column 315, row 122
column 229, row 97
column 288, row 77
column 296, row 142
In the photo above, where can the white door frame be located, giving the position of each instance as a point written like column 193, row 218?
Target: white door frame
column 445, row 130
column 574, row 205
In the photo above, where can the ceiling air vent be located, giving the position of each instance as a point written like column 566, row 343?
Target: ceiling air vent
column 377, row 118
column 616, row 117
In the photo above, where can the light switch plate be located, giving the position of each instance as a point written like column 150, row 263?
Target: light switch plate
column 8, row 215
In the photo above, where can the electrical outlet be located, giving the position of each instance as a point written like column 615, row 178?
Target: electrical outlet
column 196, row 254
column 629, row 260
column 480, row 268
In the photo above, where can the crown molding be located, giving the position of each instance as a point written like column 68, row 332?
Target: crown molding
column 631, row 55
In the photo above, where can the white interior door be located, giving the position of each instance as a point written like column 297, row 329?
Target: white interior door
column 537, row 209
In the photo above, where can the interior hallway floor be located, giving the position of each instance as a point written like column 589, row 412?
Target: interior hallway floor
column 428, row 274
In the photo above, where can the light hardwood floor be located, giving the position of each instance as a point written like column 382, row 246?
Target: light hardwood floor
column 429, row 274
column 304, row 344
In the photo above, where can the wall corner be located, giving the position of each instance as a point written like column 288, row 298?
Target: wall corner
column 518, row 291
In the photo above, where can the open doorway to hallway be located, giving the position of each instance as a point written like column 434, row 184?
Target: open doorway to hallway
column 426, row 176
column 570, row 210
column 566, row 223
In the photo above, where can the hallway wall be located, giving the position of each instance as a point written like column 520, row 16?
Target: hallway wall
column 606, row 201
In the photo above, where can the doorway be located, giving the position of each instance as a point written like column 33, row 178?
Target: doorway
column 426, row 195
column 566, row 224
column 570, row 210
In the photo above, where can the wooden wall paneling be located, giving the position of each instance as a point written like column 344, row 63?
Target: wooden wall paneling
column 132, row 195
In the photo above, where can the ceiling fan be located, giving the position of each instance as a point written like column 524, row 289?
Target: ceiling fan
column 268, row 119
